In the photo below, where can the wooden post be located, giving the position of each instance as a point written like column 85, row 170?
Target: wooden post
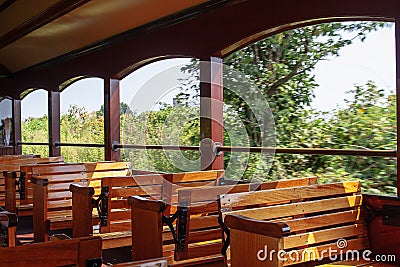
column 16, row 126
column 40, row 223
column 54, row 123
column 111, row 118
column 397, row 25
column 211, row 112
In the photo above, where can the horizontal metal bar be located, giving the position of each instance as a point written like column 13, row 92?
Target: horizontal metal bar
column 157, row 147
column 313, row 151
column 33, row 143
column 60, row 144
column 78, row 145
column 304, row 151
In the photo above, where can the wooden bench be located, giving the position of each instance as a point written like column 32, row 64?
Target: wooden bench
column 292, row 226
column 52, row 200
column 4, row 158
column 8, row 227
column 198, row 233
column 82, row 252
column 10, row 178
column 22, row 201
column 115, row 214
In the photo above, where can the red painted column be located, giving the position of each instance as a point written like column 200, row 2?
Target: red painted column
column 111, row 118
column 397, row 25
column 54, row 123
column 211, row 112
column 16, row 125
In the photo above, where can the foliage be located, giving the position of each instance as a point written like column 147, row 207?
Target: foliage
column 281, row 66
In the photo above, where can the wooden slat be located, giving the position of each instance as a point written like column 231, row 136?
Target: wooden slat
column 325, row 235
column 59, row 195
column 195, row 176
column 60, row 204
column 205, row 235
column 142, row 180
column 58, row 168
column 279, row 211
column 287, row 194
column 203, row 222
column 212, row 192
column 116, row 215
column 116, row 239
column 104, row 166
column 108, row 173
column 57, row 253
column 196, row 251
column 204, row 208
column 120, row 226
column 325, row 220
column 137, row 191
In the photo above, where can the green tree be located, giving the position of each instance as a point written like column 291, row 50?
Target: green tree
column 124, row 109
column 281, row 66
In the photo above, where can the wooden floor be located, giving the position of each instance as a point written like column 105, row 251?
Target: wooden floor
column 110, row 256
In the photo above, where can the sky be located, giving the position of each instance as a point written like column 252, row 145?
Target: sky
column 373, row 59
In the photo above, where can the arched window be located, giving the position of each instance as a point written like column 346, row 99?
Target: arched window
column 34, row 124
column 82, row 120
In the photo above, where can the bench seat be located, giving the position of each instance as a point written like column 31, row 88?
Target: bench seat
column 198, row 233
column 306, row 224
column 52, row 200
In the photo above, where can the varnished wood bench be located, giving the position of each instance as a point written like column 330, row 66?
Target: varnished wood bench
column 115, row 214
column 82, row 252
column 198, row 233
column 52, row 200
column 8, row 226
column 285, row 227
column 22, row 201
column 11, row 184
column 4, row 158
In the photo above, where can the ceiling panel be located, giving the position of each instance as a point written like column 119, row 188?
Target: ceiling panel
column 90, row 23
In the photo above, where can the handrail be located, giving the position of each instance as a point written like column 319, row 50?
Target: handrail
column 301, row 151
column 32, row 143
column 57, row 144
column 306, row 151
column 79, row 144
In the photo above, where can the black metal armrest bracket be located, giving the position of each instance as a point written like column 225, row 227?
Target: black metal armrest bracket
column 169, row 222
column 20, row 183
column 227, row 231
column 182, row 225
column 101, row 204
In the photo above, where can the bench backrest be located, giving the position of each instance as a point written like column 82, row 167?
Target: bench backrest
column 58, row 177
column 5, row 158
column 115, row 213
column 198, row 229
column 302, row 221
column 198, row 235
column 29, row 170
column 11, row 168
column 80, row 252
column 52, row 198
